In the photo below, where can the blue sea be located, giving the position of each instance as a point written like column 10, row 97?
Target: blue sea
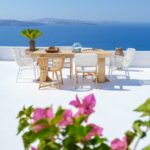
column 107, row 37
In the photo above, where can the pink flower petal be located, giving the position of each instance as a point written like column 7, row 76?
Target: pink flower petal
column 96, row 130
column 76, row 103
column 89, row 100
column 49, row 113
column 39, row 113
column 67, row 118
column 33, row 148
column 118, row 144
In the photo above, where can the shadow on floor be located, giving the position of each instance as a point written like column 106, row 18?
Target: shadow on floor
column 121, row 83
column 116, row 83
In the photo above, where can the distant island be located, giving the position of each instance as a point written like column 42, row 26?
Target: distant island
column 49, row 21
column 54, row 21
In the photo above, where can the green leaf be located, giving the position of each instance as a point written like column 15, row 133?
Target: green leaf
column 25, row 112
column 130, row 137
column 70, row 144
column 142, row 134
column 146, row 124
column 28, row 111
column 144, row 108
column 77, row 132
column 47, row 132
column 79, row 120
column 97, row 140
column 103, row 147
column 47, row 145
column 42, row 122
column 31, row 34
column 28, row 138
column 23, row 123
column 136, row 125
column 147, row 147
column 58, row 116
column 20, row 114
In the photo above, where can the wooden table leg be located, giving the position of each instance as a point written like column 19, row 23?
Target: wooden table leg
column 101, row 70
column 46, row 77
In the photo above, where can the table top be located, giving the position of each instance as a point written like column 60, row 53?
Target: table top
column 69, row 53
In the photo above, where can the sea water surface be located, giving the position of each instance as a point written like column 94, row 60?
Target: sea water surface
column 97, row 36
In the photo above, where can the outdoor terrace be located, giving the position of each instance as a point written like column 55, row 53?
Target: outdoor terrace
column 116, row 99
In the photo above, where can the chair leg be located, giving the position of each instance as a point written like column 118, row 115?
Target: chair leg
column 76, row 77
column 34, row 70
column 18, row 74
column 37, row 70
column 83, row 75
column 61, row 77
column 53, row 74
column 109, row 70
column 57, row 78
column 127, row 73
column 96, row 80
column 41, row 79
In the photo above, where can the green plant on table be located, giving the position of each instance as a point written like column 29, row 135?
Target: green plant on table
column 31, row 34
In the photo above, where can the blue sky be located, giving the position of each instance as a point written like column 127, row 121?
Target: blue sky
column 95, row 10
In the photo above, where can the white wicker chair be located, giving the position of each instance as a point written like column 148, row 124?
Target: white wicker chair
column 24, row 62
column 86, row 63
column 122, row 62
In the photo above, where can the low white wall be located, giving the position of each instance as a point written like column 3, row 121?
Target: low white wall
column 141, row 59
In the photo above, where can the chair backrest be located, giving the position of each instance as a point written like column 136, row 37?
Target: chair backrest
column 21, row 57
column 86, row 60
column 43, row 63
column 17, row 53
column 58, row 62
column 128, row 58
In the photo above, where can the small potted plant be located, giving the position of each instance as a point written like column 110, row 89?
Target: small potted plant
column 31, row 34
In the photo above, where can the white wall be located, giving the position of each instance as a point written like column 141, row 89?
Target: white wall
column 141, row 59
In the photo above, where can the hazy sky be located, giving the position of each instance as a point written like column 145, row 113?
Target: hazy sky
column 96, row 10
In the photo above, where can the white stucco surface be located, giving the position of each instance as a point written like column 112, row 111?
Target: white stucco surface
column 114, row 109
column 141, row 59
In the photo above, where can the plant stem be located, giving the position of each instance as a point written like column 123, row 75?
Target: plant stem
column 137, row 142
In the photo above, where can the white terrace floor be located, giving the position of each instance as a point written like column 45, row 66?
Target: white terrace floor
column 115, row 101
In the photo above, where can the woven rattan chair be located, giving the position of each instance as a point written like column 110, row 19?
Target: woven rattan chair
column 56, row 68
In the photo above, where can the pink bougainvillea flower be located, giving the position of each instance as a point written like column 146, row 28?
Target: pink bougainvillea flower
column 33, row 148
column 40, row 113
column 49, row 113
column 86, row 107
column 76, row 103
column 118, row 144
column 66, row 118
column 96, row 130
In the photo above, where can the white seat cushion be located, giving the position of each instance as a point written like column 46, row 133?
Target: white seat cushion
column 85, row 69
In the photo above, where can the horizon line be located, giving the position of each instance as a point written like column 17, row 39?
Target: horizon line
column 82, row 20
